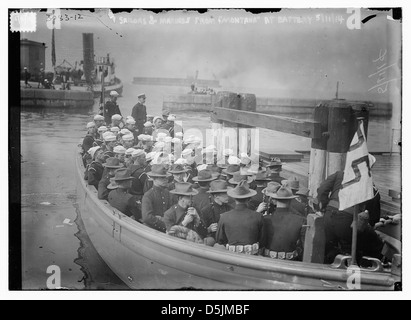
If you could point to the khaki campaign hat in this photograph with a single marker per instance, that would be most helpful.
(112, 163)
(292, 184)
(122, 175)
(241, 191)
(177, 169)
(218, 186)
(272, 188)
(238, 177)
(158, 171)
(205, 176)
(184, 189)
(284, 193)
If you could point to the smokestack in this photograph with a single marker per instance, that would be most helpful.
(88, 55)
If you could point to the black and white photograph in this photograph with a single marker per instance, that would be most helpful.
(200, 149)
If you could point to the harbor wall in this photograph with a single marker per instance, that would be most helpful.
(278, 106)
(56, 98)
(176, 82)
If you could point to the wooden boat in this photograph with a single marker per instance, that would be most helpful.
(147, 259)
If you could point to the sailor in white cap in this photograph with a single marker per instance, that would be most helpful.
(98, 120)
(173, 126)
(139, 113)
(124, 132)
(89, 139)
(110, 141)
(128, 141)
(95, 169)
(117, 121)
(128, 160)
(101, 130)
(115, 130)
(120, 153)
(138, 170)
(111, 107)
(131, 126)
(145, 142)
(148, 128)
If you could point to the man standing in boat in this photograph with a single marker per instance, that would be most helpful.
(219, 204)
(139, 113)
(111, 107)
(241, 230)
(284, 232)
(157, 200)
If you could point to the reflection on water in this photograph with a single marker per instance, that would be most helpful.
(49, 139)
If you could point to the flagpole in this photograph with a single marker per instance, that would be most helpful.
(354, 237)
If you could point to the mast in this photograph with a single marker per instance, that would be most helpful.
(53, 48)
(88, 56)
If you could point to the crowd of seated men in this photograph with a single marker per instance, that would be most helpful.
(236, 203)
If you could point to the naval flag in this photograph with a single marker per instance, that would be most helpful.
(357, 185)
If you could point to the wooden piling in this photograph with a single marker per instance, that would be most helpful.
(318, 155)
(314, 245)
(342, 125)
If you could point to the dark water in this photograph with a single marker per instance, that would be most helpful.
(49, 141)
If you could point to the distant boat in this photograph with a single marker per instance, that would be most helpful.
(181, 82)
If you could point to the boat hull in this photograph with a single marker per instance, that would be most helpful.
(107, 89)
(147, 259)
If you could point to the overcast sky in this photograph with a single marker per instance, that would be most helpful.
(291, 56)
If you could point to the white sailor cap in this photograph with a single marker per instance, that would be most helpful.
(159, 145)
(130, 151)
(98, 117)
(116, 117)
(125, 131)
(175, 140)
(161, 136)
(141, 95)
(138, 153)
(144, 137)
(171, 117)
(209, 149)
(114, 93)
(148, 124)
(245, 159)
(115, 129)
(109, 136)
(233, 160)
(156, 118)
(102, 129)
(187, 152)
(179, 135)
(92, 151)
(128, 137)
(119, 149)
(181, 161)
(228, 152)
(150, 156)
(202, 167)
(91, 125)
(130, 121)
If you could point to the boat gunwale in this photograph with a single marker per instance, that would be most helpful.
(291, 268)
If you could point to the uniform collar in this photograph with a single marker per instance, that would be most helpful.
(241, 206)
